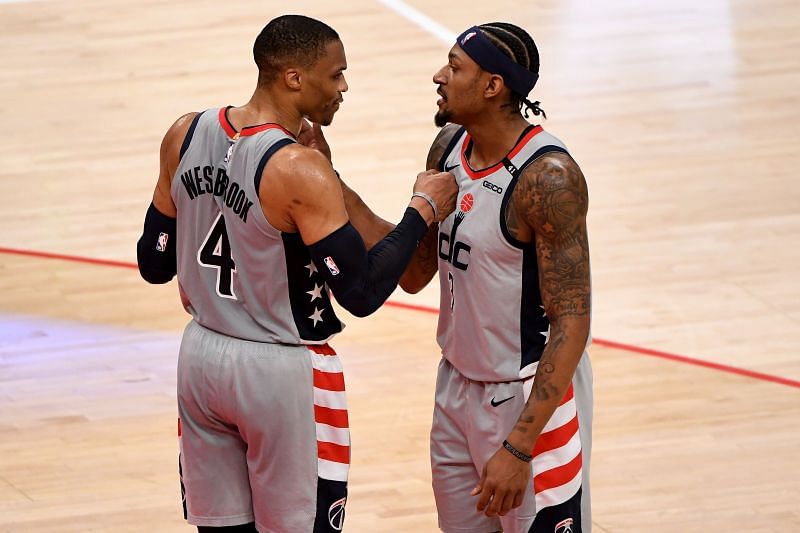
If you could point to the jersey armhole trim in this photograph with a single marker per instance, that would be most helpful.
(456, 137)
(265, 158)
(189, 134)
(510, 191)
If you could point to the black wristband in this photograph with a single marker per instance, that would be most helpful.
(516, 453)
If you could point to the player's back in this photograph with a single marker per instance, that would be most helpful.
(239, 286)
(274, 279)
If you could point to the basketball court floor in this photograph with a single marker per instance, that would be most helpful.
(684, 117)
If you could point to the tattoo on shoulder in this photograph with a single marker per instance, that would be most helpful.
(550, 203)
(439, 145)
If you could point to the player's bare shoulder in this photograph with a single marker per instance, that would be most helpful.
(440, 144)
(302, 169)
(298, 184)
(550, 199)
(177, 132)
(173, 140)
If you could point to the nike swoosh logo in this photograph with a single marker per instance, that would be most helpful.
(495, 404)
(448, 169)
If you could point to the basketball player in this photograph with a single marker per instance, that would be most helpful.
(255, 226)
(510, 439)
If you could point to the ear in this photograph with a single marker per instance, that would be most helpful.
(494, 86)
(291, 77)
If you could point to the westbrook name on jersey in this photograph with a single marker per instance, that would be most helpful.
(237, 274)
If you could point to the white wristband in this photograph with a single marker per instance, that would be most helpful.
(430, 201)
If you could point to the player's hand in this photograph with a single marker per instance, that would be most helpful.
(441, 186)
(311, 136)
(503, 483)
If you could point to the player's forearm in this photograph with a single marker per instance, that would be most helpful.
(370, 226)
(423, 265)
(553, 376)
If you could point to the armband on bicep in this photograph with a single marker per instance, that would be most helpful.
(155, 252)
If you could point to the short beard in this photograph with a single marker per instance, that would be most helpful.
(441, 118)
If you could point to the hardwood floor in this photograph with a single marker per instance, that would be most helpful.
(683, 116)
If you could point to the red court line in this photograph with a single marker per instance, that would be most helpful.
(73, 258)
(699, 362)
(426, 309)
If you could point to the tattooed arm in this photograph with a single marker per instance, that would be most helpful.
(550, 204)
(425, 262)
(551, 201)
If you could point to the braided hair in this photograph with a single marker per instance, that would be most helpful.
(518, 45)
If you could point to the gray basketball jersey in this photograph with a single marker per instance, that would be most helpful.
(492, 324)
(237, 274)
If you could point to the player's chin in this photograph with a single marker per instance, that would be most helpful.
(326, 120)
(441, 118)
(327, 116)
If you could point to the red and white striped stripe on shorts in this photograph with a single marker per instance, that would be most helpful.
(330, 414)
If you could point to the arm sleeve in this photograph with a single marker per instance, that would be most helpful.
(155, 252)
(361, 280)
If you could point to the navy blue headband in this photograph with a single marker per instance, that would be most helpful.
(491, 59)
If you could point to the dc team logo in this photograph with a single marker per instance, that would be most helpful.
(565, 526)
(451, 250)
(161, 245)
(336, 514)
(331, 264)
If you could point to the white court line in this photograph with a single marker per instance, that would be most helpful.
(421, 20)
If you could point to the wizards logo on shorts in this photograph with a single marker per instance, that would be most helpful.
(331, 264)
(565, 526)
(336, 514)
(161, 245)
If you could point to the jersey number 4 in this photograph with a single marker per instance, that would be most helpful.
(216, 253)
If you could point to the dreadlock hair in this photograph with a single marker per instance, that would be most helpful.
(290, 40)
(518, 45)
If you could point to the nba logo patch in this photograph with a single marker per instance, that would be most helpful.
(161, 245)
(229, 154)
(331, 264)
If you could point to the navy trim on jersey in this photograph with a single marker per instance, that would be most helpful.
(269, 153)
(457, 137)
(532, 320)
(505, 161)
(513, 185)
(189, 134)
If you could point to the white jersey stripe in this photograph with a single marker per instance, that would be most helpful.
(326, 363)
(563, 415)
(326, 433)
(332, 470)
(330, 399)
(557, 457)
(560, 494)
